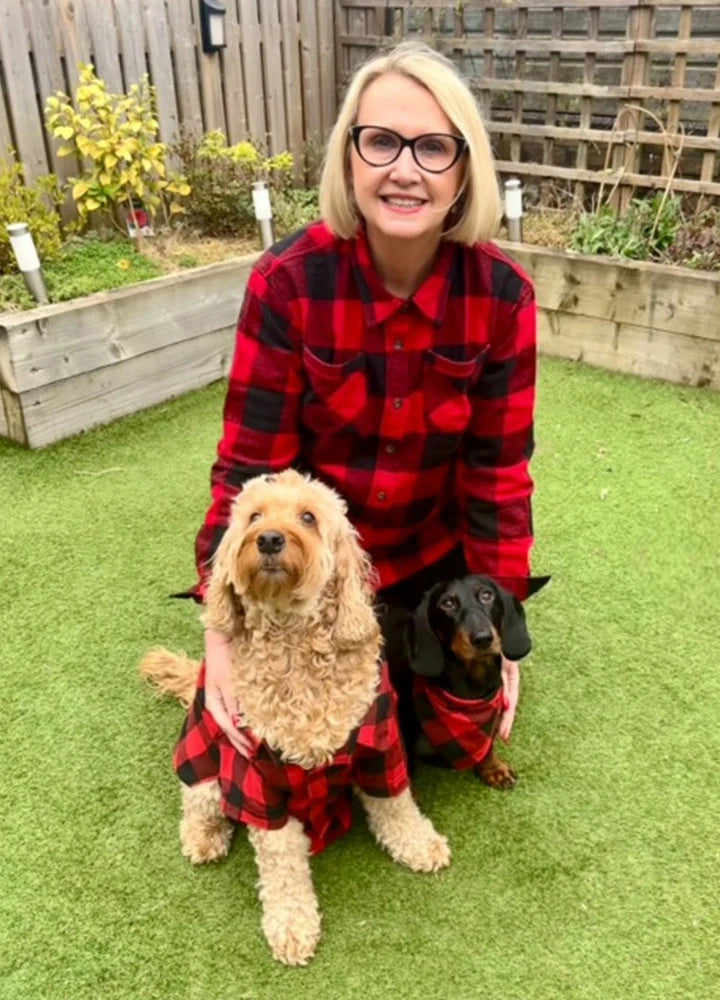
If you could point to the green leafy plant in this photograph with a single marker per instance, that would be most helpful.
(36, 204)
(222, 176)
(644, 232)
(115, 137)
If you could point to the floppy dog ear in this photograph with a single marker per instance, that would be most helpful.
(223, 608)
(425, 654)
(355, 621)
(515, 637)
(535, 583)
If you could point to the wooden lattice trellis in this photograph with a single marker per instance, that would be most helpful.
(596, 97)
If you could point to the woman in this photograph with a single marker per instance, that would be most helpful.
(390, 351)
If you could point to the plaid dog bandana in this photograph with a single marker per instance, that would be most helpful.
(461, 730)
(264, 791)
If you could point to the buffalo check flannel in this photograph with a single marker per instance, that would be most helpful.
(462, 730)
(418, 412)
(261, 790)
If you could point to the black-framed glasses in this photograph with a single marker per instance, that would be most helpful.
(435, 152)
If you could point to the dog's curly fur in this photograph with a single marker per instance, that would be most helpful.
(305, 649)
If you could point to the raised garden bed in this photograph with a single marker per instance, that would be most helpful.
(68, 367)
(654, 320)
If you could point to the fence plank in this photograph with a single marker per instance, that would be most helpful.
(292, 79)
(187, 82)
(310, 69)
(232, 78)
(326, 63)
(75, 38)
(155, 17)
(131, 40)
(254, 88)
(277, 138)
(26, 119)
(103, 42)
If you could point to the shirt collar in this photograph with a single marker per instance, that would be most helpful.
(379, 304)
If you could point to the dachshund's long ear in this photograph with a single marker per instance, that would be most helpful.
(425, 654)
(515, 637)
(535, 583)
(355, 621)
(223, 608)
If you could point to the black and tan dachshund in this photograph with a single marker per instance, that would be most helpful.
(455, 643)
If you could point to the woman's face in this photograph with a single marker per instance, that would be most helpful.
(401, 200)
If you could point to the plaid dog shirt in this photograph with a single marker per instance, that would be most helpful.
(264, 791)
(460, 729)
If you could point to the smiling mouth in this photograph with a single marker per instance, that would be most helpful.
(402, 203)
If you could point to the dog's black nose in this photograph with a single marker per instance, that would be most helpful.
(270, 542)
(481, 638)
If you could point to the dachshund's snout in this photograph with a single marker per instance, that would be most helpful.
(269, 543)
(481, 638)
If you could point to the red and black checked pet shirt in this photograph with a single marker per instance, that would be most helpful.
(462, 730)
(263, 791)
(419, 412)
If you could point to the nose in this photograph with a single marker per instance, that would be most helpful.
(405, 165)
(481, 638)
(270, 542)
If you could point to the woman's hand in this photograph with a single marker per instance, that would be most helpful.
(220, 699)
(511, 686)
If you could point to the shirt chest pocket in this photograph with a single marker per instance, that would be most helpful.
(337, 394)
(447, 384)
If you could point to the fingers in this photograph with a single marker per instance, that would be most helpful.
(217, 708)
(511, 688)
(506, 724)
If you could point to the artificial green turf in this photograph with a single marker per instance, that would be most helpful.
(595, 878)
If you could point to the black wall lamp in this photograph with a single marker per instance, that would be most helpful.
(212, 25)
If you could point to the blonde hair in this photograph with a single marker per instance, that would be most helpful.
(477, 211)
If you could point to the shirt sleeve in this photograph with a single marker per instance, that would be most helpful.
(260, 417)
(494, 482)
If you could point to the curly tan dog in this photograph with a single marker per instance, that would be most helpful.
(291, 588)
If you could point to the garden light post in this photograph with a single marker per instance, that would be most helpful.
(263, 212)
(28, 261)
(513, 209)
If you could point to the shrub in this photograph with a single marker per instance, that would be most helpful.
(221, 178)
(37, 205)
(115, 137)
(647, 229)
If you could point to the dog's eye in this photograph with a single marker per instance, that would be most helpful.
(448, 604)
(254, 517)
(308, 517)
(485, 596)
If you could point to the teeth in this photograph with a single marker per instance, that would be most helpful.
(404, 202)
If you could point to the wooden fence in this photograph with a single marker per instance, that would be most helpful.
(275, 80)
(584, 96)
(588, 96)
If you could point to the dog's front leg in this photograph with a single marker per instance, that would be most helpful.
(407, 835)
(291, 917)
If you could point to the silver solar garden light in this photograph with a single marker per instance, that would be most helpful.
(28, 261)
(513, 209)
(263, 212)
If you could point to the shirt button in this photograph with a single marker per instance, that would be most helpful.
(398, 345)
(397, 403)
(390, 449)
(382, 495)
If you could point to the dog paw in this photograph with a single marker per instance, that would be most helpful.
(499, 775)
(203, 842)
(293, 940)
(433, 855)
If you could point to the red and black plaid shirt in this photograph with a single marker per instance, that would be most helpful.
(261, 790)
(462, 730)
(419, 412)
